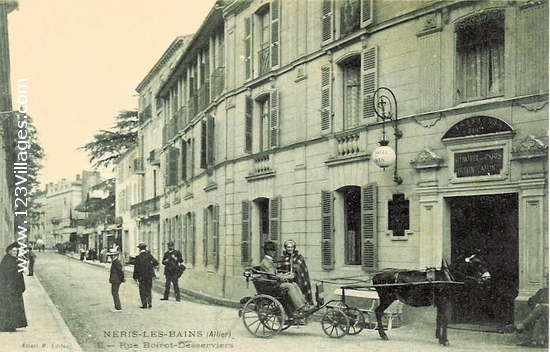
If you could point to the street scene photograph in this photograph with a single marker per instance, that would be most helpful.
(274, 175)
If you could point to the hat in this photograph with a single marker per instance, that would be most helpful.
(112, 251)
(13, 245)
(169, 244)
(142, 245)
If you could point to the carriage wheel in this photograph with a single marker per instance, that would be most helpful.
(263, 316)
(335, 323)
(356, 320)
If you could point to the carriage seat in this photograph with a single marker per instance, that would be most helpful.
(264, 282)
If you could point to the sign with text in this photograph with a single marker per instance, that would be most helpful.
(478, 163)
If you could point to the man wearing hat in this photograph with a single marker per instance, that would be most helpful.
(171, 260)
(115, 278)
(144, 272)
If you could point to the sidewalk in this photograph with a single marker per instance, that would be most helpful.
(47, 330)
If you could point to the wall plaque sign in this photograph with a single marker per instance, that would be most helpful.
(478, 163)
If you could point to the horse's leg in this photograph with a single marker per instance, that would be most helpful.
(444, 316)
(438, 321)
(385, 300)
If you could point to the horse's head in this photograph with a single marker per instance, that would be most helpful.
(472, 268)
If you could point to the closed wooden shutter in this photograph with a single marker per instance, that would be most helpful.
(326, 98)
(275, 12)
(369, 227)
(210, 139)
(173, 167)
(192, 237)
(248, 48)
(275, 220)
(184, 160)
(205, 236)
(369, 80)
(327, 20)
(248, 125)
(216, 236)
(274, 119)
(327, 231)
(204, 143)
(366, 12)
(245, 234)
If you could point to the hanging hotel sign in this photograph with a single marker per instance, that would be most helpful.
(478, 163)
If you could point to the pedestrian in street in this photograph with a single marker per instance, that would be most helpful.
(32, 260)
(535, 325)
(144, 272)
(172, 260)
(295, 263)
(116, 278)
(12, 286)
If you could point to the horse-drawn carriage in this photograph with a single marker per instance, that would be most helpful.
(269, 311)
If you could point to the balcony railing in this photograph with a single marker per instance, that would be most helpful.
(262, 164)
(148, 207)
(218, 82)
(348, 145)
(263, 59)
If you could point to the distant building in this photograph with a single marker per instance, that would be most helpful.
(60, 218)
(127, 190)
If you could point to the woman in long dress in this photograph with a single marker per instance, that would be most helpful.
(12, 286)
(294, 262)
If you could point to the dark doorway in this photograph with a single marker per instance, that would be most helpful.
(487, 225)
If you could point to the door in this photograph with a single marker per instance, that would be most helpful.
(487, 225)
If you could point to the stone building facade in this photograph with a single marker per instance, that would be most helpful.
(269, 126)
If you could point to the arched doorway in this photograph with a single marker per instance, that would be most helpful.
(487, 225)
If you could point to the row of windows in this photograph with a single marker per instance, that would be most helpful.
(349, 221)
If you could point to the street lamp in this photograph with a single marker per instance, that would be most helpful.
(385, 106)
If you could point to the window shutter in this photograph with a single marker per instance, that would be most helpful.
(366, 12)
(248, 47)
(192, 238)
(275, 12)
(245, 236)
(275, 220)
(248, 125)
(184, 160)
(369, 227)
(216, 234)
(327, 8)
(327, 231)
(369, 80)
(274, 119)
(173, 168)
(185, 238)
(192, 157)
(210, 140)
(205, 236)
(326, 98)
(203, 145)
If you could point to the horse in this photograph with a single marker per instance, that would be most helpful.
(420, 288)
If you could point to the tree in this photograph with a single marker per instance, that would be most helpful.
(27, 183)
(108, 145)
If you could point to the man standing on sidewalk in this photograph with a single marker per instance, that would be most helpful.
(116, 278)
(172, 260)
(144, 272)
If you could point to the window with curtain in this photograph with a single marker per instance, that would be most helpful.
(351, 70)
(480, 56)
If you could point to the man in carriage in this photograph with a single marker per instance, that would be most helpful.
(285, 283)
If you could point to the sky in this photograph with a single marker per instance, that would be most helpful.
(83, 60)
